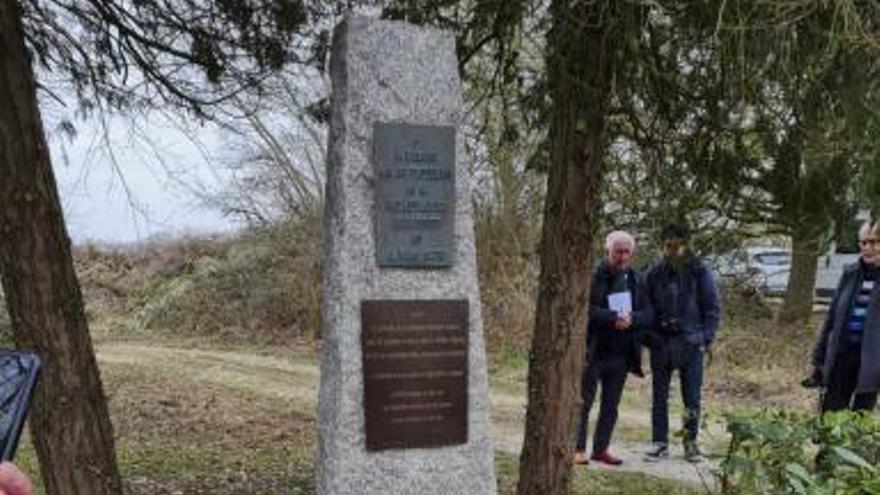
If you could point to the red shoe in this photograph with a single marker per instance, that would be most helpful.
(605, 457)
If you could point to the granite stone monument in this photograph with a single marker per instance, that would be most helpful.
(403, 399)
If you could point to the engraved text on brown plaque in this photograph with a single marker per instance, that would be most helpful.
(415, 355)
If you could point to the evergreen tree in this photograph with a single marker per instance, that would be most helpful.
(114, 55)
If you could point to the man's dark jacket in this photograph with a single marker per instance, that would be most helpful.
(696, 311)
(601, 321)
(836, 323)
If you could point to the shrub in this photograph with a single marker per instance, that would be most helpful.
(263, 286)
(783, 453)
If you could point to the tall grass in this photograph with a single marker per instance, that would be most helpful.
(261, 286)
(264, 286)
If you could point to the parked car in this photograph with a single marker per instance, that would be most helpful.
(762, 268)
(842, 251)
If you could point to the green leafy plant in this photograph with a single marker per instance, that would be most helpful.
(784, 453)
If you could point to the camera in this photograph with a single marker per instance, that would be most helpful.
(670, 325)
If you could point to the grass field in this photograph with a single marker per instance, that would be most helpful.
(241, 421)
(196, 417)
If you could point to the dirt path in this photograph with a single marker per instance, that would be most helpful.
(294, 382)
(508, 417)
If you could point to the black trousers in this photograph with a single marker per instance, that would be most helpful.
(688, 360)
(611, 372)
(840, 390)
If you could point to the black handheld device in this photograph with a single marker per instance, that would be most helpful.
(19, 371)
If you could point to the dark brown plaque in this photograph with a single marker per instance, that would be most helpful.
(415, 355)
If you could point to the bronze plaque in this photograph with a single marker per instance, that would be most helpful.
(415, 356)
(415, 195)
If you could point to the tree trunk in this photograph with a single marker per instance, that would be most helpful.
(798, 304)
(580, 70)
(69, 419)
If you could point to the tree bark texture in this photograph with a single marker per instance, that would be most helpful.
(798, 303)
(580, 67)
(69, 419)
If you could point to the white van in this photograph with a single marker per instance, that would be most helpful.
(844, 250)
(763, 268)
(829, 269)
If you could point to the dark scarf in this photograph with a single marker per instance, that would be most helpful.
(682, 267)
(685, 265)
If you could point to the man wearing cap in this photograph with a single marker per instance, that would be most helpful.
(684, 299)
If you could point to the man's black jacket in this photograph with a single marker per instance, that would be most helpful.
(603, 339)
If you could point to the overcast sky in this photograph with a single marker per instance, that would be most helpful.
(149, 186)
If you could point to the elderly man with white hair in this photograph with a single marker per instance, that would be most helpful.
(846, 358)
(618, 310)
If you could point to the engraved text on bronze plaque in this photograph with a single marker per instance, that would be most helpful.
(415, 195)
(415, 356)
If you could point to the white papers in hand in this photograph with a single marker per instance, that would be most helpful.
(620, 302)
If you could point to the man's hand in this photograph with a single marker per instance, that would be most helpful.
(706, 350)
(814, 380)
(13, 481)
(623, 321)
